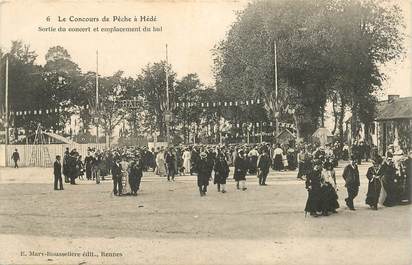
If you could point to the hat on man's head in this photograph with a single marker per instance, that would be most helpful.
(378, 160)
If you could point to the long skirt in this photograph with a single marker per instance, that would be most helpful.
(161, 169)
(278, 162)
(392, 194)
(374, 190)
(329, 200)
(313, 203)
(187, 165)
(253, 164)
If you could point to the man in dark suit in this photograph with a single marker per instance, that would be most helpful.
(263, 165)
(15, 157)
(58, 174)
(117, 177)
(351, 177)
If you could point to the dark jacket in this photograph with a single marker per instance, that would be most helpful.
(116, 170)
(221, 169)
(241, 167)
(136, 169)
(264, 163)
(351, 176)
(203, 172)
(57, 169)
(15, 156)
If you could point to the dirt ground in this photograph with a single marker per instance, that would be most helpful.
(169, 223)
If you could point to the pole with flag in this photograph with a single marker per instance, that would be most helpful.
(276, 90)
(167, 116)
(97, 96)
(7, 101)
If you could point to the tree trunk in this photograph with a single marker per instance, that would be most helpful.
(160, 125)
(185, 138)
(354, 123)
(296, 120)
(340, 125)
(335, 115)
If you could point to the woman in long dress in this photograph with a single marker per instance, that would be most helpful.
(328, 187)
(390, 183)
(187, 155)
(239, 174)
(160, 163)
(313, 185)
(221, 169)
(278, 158)
(374, 175)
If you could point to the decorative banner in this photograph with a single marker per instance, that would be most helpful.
(218, 104)
(256, 125)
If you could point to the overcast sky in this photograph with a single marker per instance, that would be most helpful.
(190, 28)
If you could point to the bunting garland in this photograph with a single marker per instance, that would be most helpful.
(249, 125)
(42, 111)
(219, 103)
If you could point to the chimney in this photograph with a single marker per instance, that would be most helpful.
(392, 98)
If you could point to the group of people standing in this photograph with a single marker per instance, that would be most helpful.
(388, 184)
(127, 170)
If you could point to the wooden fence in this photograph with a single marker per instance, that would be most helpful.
(36, 155)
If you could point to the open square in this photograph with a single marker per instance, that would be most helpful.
(169, 223)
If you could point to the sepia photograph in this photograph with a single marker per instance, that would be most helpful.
(200, 132)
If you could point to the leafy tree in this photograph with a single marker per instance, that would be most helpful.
(153, 81)
(366, 35)
(26, 88)
(326, 50)
(187, 91)
(62, 81)
(245, 60)
(111, 91)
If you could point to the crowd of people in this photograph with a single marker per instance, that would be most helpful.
(389, 178)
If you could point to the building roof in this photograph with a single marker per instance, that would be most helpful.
(286, 132)
(399, 108)
(59, 138)
(321, 132)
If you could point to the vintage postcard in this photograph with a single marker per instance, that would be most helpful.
(205, 132)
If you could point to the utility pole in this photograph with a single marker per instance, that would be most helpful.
(167, 115)
(276, 91)
(97, 97)
(7, 101)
